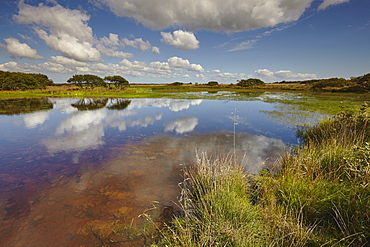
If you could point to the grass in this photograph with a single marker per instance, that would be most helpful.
(217, 208)
(319, 197)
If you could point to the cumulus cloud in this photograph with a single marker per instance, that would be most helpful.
(156, 50)
(180, 63)
(140, 43)
(327, 3)
(226, 76)
(181, 40)
(21, 49)
(63, 30)
(283, 75)
(219, 16)
(109, 46)
(196, 67)
(66, 61)
(172, 68)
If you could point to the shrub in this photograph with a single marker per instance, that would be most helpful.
(212, 83)
(250, 82)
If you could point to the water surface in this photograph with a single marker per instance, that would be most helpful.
(71, 169)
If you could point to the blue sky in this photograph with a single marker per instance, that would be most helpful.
(163, 41)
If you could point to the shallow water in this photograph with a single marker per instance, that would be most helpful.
(71, 170)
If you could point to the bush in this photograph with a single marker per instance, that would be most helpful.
(177, 83)
(250, 82)
(332, 82)
(23, 81)
(212, 83)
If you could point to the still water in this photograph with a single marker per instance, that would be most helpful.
(70, 169)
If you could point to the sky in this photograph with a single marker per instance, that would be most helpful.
(163, 41)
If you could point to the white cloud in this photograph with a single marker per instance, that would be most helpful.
(111, 41)
(181, 40)
(182, 125)
(70, 46)
(226, 76)
(63, 30)
(219, 16)
(141, 44)
(156, 50)
(245, 45)
(66, 61)
(180, 63)
(177, 62)
(327, 3)
(266, 74)
(21, 49)
(112, 52)
(196, 68)
(21, 67)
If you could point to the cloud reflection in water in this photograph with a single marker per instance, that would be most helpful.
(82, 130)
(182, 125)
(33, 120)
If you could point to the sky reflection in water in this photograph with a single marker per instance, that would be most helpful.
(93, 162)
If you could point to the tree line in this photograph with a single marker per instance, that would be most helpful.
(23, 81)
(12, 81)
(359, 83)
(92, 81)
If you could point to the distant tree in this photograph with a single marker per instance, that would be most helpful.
(87, 80)
(249, 82)
(117, 80)
(78, 80)
(212, 83)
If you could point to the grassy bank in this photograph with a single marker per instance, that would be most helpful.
(319, 197)
(134, 91)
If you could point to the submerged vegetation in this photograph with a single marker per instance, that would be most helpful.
(320, 196)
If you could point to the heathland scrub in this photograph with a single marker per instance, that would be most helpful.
(320, 196)
(295, 102)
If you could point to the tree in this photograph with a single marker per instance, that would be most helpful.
(87, 80)
(249, 82)
(117, 80)
(77, 80)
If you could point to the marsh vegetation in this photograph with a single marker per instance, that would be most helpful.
(319, 196)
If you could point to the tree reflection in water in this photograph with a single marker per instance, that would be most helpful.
(24, 105)
(89, 104)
